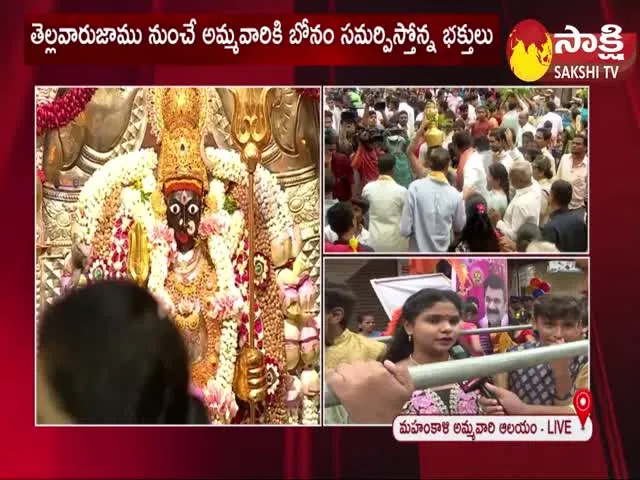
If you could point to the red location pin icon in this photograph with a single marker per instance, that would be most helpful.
(583, 403)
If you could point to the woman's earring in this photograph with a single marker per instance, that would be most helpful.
(410, 338)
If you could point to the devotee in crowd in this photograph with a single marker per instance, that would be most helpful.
(341, 344)
(498, 194)
(478, 234)
(526, 203)
(107, 354)
(566, 228)
(498, 143)
(526, 130)
(543, 175)
(573, 168)
(339, 168)
(386, 201)
(508, 130)
(433, 208)
(367, 325)
(557, 319)
(341, 234)
(329, 201)
(471, 177)
(543, 141)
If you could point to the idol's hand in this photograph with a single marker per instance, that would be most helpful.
(250, 382)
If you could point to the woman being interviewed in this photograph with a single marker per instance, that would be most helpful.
(430, 325)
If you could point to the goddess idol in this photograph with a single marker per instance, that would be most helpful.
(190, 225)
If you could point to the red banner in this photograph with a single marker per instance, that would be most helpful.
(301, 40)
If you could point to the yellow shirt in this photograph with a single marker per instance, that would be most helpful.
(351, 347)
(581, 381)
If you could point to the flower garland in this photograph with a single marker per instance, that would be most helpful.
(272, 200)
(63, 110)
(124, 170)
(311, 410)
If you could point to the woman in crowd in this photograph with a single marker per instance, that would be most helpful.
(498, 196)
(478, 235)
(430, 326)
(108, 355)
(543, 174)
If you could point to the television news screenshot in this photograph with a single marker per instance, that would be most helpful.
(320, 239)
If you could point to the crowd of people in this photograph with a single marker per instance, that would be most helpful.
(459, 169)
(431, 324)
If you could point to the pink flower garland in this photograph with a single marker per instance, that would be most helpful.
(63, 110)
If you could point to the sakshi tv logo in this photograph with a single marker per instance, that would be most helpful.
(534, 54)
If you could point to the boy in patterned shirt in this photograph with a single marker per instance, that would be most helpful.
(557, 319)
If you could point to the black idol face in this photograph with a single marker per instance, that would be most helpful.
(184, 211)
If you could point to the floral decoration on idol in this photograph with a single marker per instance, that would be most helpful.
(220, 402)
(133, 173)
(63, 110)
(273, 377)
(261, 270)
(227, 166)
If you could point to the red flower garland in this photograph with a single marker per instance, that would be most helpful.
(311, 93)
(63, 110)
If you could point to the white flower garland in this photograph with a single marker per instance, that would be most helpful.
(311, 410)
(122, 171)
(271, 198)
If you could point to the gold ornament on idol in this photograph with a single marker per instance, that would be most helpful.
(138, 263)
(180, 158)
(251, 133)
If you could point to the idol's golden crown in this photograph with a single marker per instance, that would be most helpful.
(180, 164)
(183, 107)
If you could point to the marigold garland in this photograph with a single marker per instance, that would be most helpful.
(63, 110)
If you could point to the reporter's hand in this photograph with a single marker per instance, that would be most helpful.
(370, 391)
(506, 402)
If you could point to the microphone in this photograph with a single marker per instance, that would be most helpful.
(459, 352)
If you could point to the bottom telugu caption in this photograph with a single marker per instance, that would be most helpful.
(413, 428)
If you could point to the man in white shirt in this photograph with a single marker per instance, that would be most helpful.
(454, 100)
(510, 119)
(574, 168)
(525, 205)
(433, 209)
(386, 201)
(403, 106)
(554, 118)
(543, 139)
(472, 101)
(498, 143)
(525, 126)
(474, 176)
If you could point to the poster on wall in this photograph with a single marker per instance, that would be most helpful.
(471, 274)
